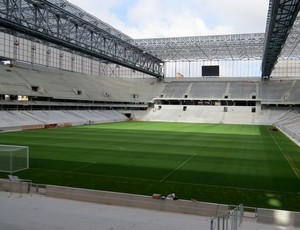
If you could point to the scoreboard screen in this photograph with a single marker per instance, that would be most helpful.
(210, 71)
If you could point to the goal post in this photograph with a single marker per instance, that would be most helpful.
(13, 158)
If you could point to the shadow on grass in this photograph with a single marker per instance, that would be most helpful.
(186, 184)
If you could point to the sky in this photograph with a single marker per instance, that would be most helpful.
(179, 18)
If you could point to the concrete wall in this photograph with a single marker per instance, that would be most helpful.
(14, 186)
(278, 217)
(136, 201)
(264, 216)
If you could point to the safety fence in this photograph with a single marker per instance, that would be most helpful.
(232, 219)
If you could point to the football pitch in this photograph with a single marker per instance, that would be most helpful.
(229, 164)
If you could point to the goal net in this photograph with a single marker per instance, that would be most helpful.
(13, 158)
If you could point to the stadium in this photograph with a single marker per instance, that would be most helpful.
(89, 114)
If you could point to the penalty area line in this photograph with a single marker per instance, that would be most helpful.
(84, 166)
(179, 166)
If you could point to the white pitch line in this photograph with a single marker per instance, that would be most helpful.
(86, 165)
(286, 157)
(178, 167)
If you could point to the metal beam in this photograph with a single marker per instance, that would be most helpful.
(281, 17)
(62, 23)
(217, 47)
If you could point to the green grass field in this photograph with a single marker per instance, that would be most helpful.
(229, 164)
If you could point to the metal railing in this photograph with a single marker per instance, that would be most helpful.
(232, 219)
(219, 222)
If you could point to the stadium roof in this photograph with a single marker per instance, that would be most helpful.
(281, 40)
(281, 17)
(217, 47)
(62, 23)
(291, 49)
(65, 24)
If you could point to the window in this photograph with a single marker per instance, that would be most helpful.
(35, 88)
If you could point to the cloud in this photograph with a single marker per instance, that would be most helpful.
(158, 19)
(176, 18)
(244, 15)
(102, 9)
